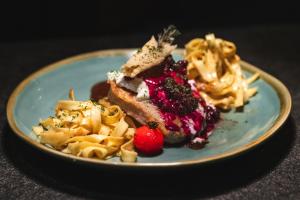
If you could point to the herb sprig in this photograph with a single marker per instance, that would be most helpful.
(168, 35)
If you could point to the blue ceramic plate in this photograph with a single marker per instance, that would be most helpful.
(36, 96)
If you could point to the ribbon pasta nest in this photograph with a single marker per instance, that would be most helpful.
(88, 129)
(214, 65)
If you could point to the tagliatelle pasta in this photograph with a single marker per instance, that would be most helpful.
(88, 129)
(215, 67)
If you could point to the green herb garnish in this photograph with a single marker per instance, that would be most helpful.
(168, 35)
(152, 124)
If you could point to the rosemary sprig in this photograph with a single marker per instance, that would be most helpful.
(168, 35)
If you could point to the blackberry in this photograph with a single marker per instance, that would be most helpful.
(212, 114)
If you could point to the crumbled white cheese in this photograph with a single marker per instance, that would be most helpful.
(198, 140)
(192, 84)
(142, 91)
(115, 76)
(191, 126)
(201, 110)
(136, 85)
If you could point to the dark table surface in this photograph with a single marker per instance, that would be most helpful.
(270, 171)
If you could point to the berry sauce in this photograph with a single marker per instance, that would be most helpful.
(179, 102)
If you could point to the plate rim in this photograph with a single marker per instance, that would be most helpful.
(281, 90)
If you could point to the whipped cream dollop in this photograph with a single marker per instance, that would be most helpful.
(136, 85)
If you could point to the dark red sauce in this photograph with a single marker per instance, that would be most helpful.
(99, 90)
(180, 106)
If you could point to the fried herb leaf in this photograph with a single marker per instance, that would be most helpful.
(168, 35)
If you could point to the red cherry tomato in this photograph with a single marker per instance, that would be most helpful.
(148, 140)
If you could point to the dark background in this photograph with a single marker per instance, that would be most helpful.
(22, 20)
(33, 35)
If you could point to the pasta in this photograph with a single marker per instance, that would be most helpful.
(214, 65)
(88, 129)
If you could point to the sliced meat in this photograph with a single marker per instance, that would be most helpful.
(142, 111)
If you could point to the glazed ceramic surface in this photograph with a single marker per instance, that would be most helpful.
(35, 98)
